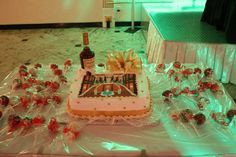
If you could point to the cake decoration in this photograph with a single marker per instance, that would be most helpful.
(124, 61)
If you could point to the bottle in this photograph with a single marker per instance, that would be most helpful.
(87, 57)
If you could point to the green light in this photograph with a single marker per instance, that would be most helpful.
(111, 146)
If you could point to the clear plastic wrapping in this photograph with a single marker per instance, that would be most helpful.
(157, 135)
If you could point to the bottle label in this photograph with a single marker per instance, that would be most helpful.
(89, 63)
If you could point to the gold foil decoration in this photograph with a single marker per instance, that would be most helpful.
(126, 61)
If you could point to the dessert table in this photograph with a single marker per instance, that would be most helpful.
(156, 135)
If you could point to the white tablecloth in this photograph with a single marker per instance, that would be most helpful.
(220, 57)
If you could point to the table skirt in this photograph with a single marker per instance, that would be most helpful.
(220, 57)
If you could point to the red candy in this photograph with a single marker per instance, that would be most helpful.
(25, 100)
(67, 63)
(54, 86)
(22, 67)
(53, 66)
(56, 99)
(197, 71)
(177, 65)
(37, 66)
(63, 79)
(215, 87)
(58, 72)
(26, 123)
(14, 122)
(53, 125)
(23, 73)
(187, 72)
(4, 100)
(25, 85)
(38, 121)
(186, 90)
(208, 72)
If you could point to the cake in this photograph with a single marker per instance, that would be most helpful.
(109, 94)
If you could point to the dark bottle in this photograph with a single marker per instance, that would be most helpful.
(87, 57)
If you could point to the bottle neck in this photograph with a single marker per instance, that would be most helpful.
(85, 39)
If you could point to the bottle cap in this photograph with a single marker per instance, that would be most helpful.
(85, 38)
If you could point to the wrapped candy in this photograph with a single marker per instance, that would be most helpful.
(67, 64)
(53, 125)
(16, 84)
(71, 131)
(26, 123)
(167, 95)
(53, 66)
(22, 67)
(14, 122)
(63, 79)
(57, 99)
(38, 121)
(37, 66)
(187, 72)
(33, 72)
(25, 100)
(54, 86)
(177, 65)
(160, 68)
(23, 73)
(4, 100)
(57, 72)
(199, 118)
(208, 73)
(25, 85)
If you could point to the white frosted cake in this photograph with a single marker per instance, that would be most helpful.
(109, 95)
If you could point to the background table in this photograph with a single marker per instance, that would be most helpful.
(222, 14)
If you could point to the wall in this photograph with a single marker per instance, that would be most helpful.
(50, 11)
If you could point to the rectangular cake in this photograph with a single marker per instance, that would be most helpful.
(109, 95)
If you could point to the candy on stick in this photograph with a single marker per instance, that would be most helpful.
(57, 99)
(14, 122)
(177, 65)
(53, 125)
(37, 66)
(33, 72)
(25, 100)
(167, 95)
(16, 84)
(160, 68)
(53, 66)
(38, 121)
(208, 73)
(67, 65)
(57, 72)
(71, 131)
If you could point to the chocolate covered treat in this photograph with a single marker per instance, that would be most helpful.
(199, 118)
(4, 100)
